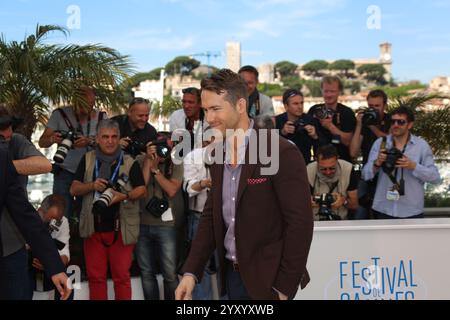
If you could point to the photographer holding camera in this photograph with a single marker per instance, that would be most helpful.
(135, 131)
(161, 214)
(73, 129)
(296, 126)
(404, 163)
(371, 124)
(337, 122)
(333, 185)
(27, 161)
(51, 212)
(110, 183)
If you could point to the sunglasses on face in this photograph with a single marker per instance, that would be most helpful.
(400, 122)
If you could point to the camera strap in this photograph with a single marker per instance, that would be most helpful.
(399, 185)
(66, 119)
(115, 172)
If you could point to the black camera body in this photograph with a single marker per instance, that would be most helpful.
(136, 147)
(325, 201)
(393, 155)
(157, 206)
(370, 117)
(323, 112)
(300, 125)
(66, 144)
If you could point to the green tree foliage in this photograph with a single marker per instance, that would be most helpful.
(395, 92)
(373, 72)
(342, 65)
(169, 105)
(315, 67)
(181, 65)
(286, 69)
(34, 74)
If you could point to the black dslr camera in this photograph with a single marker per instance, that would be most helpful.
(323, 112)
(393, 155)
(300, 125)
(157, 206)
(69, 138)
(325, 201)
(137, 147)
(370, 117)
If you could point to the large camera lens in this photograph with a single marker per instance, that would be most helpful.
(104, 201)
(370, 117)
(62, 151)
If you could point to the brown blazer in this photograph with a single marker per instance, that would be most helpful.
(273, 228)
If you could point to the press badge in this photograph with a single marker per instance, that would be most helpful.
(393, 195)
(167, 216)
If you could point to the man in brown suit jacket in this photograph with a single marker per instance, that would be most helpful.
(260, 225)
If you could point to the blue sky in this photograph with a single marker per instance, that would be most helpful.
(155, 31)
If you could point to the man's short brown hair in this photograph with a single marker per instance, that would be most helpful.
(332, 79)
(228, 82)
(53, 200)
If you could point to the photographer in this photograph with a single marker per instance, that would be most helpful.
(258, 103)
(161, 213)
(27, 161)
(334, 177)
(80, 119)
(110, 183)
(51, 212)
(297, 126)
(135, 131)
(190, 118)
(404, 163)
(337, 122)
(371, 124)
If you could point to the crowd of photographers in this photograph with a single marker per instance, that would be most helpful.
(116, 183)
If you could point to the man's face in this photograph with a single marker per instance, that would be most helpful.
(54, 212)
(108, 140)
(328, 166)
(219, 113)
(191, 106)
(251, 81)
(89, 96)
(330, 92)
(7, 133)
(295, 106)
(138, 115)
(400, 125)
(377, 103)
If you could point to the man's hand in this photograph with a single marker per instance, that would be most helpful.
(282, 297)
(311, 131)
(152, 157)
(359, 117)
(206, 183)
(382, 156)
(185, 288)
(327, 123)
(56, 138)
(100, 184)
(340, 200)
(82, 142)
(61, 282)
(288, 128)
(406, 163)
(124, 142)
(37, 264)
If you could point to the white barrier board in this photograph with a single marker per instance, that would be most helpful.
(367, 260)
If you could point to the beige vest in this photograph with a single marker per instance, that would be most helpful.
(129, 210)
(320, 188)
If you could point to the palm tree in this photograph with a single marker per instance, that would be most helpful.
(35, 75)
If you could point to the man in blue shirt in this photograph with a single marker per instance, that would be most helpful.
(405, 163)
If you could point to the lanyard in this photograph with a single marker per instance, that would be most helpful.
(116, 170)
